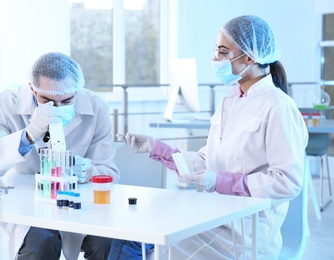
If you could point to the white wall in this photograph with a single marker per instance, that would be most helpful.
(30, 28)
(323, 6)
(292, 21)
(27, 30)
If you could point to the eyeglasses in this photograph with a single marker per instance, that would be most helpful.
(222, 54)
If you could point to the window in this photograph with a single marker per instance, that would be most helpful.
(91, 43)
(327, 53)
(327, 64)
(328, 49)
(142, 44)
(96, 24)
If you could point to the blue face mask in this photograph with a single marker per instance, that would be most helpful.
(223, 70)
(66, 113)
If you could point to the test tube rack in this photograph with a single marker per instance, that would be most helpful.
(56, 173)
(46, 187)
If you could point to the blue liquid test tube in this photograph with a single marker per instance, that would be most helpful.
(43, 171)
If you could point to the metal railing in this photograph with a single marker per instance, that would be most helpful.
(125, 100)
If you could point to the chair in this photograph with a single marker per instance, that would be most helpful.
(318, 146)
(138, 169)
(295, 227)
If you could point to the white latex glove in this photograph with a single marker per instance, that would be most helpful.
(82, 168)
(138, 143)
(205, 181)
(40, 120)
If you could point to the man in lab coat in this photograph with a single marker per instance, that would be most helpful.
(55, 89)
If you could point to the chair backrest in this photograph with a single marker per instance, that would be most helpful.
(295, 226)
(318, 144)
(138, 169)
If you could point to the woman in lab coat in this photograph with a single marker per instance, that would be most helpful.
(255, 145)
(24, 119)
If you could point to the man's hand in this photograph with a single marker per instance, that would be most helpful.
(138, 143)
(39, 122)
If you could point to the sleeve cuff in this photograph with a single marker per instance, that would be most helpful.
(162, 152)
(232, 184)
(25, 145)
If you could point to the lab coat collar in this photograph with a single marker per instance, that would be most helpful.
(83, 105)
(264, 83)
(25, 104)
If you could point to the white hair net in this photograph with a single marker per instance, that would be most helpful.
(253, 36)
(64, 73)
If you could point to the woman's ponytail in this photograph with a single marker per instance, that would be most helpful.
(279, 77)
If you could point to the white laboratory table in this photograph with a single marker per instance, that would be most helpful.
(325, 127)
(160, 217)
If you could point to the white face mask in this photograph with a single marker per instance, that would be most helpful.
(223, 70)
(65, 112)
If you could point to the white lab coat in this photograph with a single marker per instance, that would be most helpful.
(89, 135)
(263, 136)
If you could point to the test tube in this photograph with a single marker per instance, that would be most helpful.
(62, 161)
(52, 170)
(59, 168)
(42, 156)
(53, 184)
(69, 167)
(69, 163)
(64, 169)
(41, 161)
(47, 172)
(44, 171)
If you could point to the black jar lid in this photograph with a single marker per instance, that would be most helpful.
(132, 201)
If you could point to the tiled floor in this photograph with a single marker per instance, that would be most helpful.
(320, 242)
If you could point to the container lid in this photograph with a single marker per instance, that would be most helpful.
(101, 179)
(316, 114)
(305, 113)
(132, 201)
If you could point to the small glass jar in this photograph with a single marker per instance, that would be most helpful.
(306, 117)
(77, 201)
(101, 188)
(60, 199)
(316, 118)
